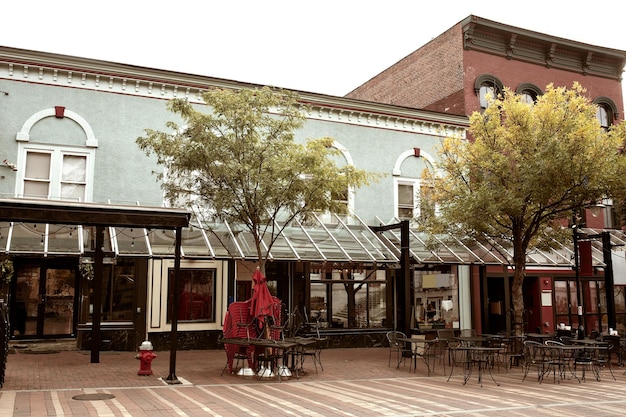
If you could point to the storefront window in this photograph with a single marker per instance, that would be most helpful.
(196, 302)
(347, 298)
(594, 304)
(436, 298)
(562, 303)
(118, 292)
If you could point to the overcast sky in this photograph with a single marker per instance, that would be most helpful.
(322, 46)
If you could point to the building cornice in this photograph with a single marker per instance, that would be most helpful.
(550, 51)
(96, 75)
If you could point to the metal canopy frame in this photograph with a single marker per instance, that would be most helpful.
(103, 215)
(450, 250)
(343, 239)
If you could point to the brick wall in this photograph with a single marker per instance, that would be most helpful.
(440, 77)
(428, 75)
(512, 73)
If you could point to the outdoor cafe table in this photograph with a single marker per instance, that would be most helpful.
(281, 346)
(419, 349)
(561, 358)
(589, 342)
(540, 337)
(297, 351)
(479, 356)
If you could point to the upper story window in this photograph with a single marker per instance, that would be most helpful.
(412, 198)
(55, 173)
(603, 117)
(56, 160)
(411, 189)
(487, 86)
(528, 92)
(406, 199)
(342, 199)
(606, 111)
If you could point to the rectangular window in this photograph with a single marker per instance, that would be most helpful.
(118, 293)
(74, 177)
(348, 298)
(37, 174)
(561, 299)
(426, 206)
(406, 200)
(414, 198)
(196, 301)
(341, 199)
(55, 173)
(436, 293)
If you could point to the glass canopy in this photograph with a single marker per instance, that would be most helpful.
(336, 241)
(331, 238)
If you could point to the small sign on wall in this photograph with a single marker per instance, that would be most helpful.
(546, 298)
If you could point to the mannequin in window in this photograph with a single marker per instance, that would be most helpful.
(430, 312)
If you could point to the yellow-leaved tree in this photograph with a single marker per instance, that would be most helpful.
(524, 170)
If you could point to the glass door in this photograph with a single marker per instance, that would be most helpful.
(58, 302)
(43, 301)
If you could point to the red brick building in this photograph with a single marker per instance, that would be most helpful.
(448, 73)
(452, 74)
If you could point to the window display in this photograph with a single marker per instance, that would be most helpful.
(436, 298)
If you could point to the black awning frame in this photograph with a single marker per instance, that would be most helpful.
(101, 216)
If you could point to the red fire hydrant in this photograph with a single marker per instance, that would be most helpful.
(145, 356)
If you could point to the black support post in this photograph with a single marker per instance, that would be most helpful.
(608, 279)
(403, 281)
(171, 378)
(96, 318)
(579, 288)
(405, 260)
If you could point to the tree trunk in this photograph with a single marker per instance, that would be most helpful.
(517, 296)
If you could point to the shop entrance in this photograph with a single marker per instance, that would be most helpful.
(43, 302)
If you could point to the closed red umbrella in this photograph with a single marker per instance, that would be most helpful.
(263, 304)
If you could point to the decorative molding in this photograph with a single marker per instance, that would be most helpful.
(552, 52)
(24, 134)
(54, 70)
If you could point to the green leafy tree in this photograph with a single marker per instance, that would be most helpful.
(236, 158)
(525, 170)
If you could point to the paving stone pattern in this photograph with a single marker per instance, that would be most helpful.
(355, 382)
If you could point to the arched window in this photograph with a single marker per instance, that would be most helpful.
(60, 168)
(606, 112)
(528, 92)
(411, 190)
(487, 86)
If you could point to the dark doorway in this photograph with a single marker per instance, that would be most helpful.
(496, 304)
(532, 305)
(44, 298)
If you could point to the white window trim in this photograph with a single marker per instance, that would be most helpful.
(158, 291)
(415, 182)
(57, 153)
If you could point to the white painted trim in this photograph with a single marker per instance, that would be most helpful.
(24, 134)
(158, 295)
(56, 152)
(397, 171)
